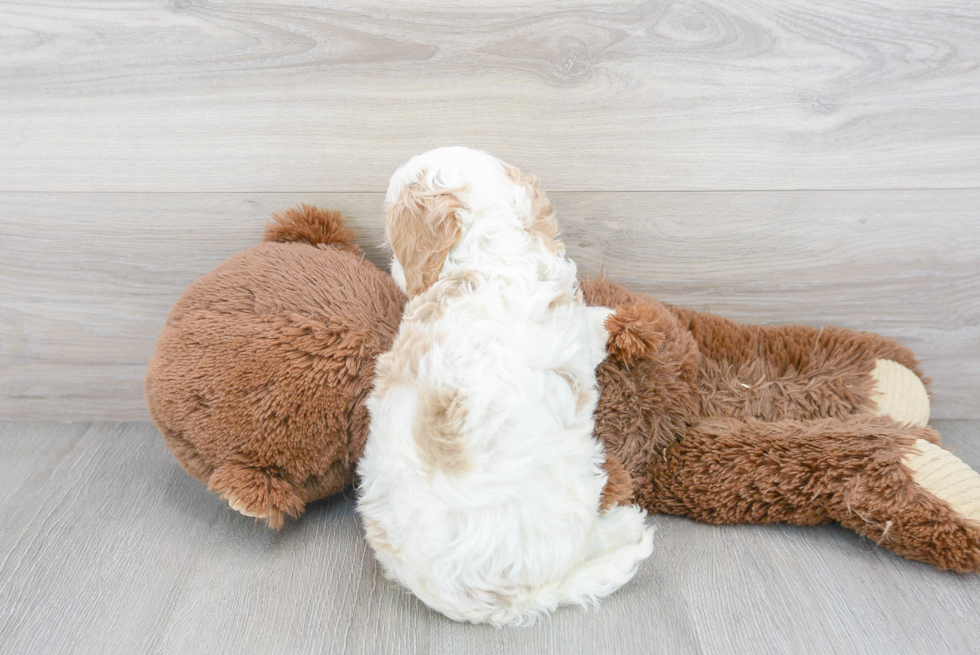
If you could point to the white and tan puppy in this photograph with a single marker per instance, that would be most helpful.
(480, 482)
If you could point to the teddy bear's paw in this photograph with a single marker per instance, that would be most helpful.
(244, 510)
(945, 476)
(260, 493)
(899, 393)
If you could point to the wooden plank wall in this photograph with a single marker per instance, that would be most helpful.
(771, 161)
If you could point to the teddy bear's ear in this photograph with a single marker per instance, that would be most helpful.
(631, 333)
(313, 226)
(422, 227)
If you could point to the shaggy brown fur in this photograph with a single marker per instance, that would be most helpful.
(772, 427)
(632, 334)
(791, 371)
(619, 485)
(811, 472)
(260, 376)
(312, 226)
(647, 402)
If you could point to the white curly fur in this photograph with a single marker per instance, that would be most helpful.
(480, 482)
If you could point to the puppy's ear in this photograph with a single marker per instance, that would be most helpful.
(541, 223)
(422, 228)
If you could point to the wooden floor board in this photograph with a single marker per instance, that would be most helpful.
(107, 546)
(90, 554)
(627, 96)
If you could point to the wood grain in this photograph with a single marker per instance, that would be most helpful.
(598, 95)
(772, 161)
(107, 546)
(88, 279)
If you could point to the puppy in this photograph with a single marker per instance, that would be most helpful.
(480, 482)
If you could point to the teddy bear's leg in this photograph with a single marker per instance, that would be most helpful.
(899, 393)
(926, 509)
(884, 480)
(946, 476)
(261, 493)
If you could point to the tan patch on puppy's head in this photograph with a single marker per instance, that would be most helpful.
(422, 228)
(542, 223)
(438, 430)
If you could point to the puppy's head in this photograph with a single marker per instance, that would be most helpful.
(440, 197)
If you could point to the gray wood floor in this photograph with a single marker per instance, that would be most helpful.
(107, 546)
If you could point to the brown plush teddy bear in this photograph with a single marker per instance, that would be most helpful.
(260, 376)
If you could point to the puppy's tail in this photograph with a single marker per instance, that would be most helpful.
(313, 226)
(622, 540)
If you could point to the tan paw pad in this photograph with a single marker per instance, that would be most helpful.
(240, 508)
(946, 476)
(899, 393)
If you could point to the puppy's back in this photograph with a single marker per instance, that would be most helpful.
(481, 478)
